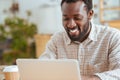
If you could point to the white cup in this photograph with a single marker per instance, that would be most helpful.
(11, 72)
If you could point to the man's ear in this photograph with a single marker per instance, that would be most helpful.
(90, 14)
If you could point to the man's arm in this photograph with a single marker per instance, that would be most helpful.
(90, 78)
(113, 73)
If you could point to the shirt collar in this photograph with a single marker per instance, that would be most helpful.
(92, 36)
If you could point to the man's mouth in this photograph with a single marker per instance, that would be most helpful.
(73, 31)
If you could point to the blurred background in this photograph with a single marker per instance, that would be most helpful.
(27, 25)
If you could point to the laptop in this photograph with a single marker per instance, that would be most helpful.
(59, 69)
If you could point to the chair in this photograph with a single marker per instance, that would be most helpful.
(40, 43)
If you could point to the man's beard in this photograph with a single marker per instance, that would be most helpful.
(77, 37)
(81, 34)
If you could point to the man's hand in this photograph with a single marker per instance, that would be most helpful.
(90, 78)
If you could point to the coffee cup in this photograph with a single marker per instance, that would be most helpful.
(11, 72)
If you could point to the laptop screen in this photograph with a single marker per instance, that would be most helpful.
(36, 69)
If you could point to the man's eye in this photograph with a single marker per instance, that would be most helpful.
(77, 18)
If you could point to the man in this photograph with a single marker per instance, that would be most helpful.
(97, 48)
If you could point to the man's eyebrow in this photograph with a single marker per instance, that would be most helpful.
(73, 15)
(76, 15)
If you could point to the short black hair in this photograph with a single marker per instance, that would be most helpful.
(88, 3)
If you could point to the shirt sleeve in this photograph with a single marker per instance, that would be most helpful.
(114, 59)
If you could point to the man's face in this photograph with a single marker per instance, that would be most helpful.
(75, 20)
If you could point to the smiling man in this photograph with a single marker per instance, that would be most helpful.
(96, 47)
(76, 20)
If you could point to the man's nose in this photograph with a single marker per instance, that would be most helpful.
(71, 23)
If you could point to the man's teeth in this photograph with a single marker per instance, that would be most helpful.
(74, 30)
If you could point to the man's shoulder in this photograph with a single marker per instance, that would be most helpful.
(106, 29)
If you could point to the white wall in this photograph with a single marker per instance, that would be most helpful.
(96, 11)
(4, 6)
(45, 14)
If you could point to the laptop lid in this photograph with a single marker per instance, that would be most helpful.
(36, 69)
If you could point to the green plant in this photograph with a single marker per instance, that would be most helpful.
(22, 34)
